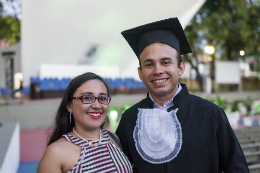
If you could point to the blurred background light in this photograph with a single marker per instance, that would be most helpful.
(210, 58)
(242, 53)
(209, 49)
(126, 107)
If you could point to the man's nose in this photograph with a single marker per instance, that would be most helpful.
(158, 69)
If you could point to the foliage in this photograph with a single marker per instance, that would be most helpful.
(221, 102)
(229, 26)
(1, 8)
(233, 106)
(248, 103)
(9, 27)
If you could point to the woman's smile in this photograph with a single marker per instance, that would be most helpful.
(94, 115)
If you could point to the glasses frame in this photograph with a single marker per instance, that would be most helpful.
(96, 98)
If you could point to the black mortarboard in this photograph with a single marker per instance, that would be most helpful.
(168, 31)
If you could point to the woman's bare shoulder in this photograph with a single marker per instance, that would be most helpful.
(57, 148)
(52, 158)
(58, 155)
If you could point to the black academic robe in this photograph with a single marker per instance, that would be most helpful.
(209, 143)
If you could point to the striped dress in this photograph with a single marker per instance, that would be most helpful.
(105, 158)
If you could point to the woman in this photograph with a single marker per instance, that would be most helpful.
(79, 143)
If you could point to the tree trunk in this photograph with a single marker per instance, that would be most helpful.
(198, 77)
(212, 67)
(229, 57)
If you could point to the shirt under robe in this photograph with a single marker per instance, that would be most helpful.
(209, 143)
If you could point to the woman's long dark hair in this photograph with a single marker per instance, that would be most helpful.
(62, 123)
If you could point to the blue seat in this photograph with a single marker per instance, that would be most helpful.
(26, 90)
(46, 84)
(2, 91)
(119, 83)
(57, 84)
(109, 82)
(241, 122)
(255, 123)
(63, 84)
(6, 91)
(35, 80)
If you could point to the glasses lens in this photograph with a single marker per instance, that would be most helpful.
(104, 99)
(88, 99)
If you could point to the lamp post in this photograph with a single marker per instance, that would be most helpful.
(209, 50)
(242, 53)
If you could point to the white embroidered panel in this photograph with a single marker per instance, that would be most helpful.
(157, 135)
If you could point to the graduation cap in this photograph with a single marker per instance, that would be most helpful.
(168, 31)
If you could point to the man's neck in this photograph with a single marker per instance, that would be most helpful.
(161, 100)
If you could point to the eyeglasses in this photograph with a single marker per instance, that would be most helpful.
(88, 99)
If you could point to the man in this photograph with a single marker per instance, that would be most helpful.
(171, 130)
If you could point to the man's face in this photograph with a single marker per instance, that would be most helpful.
(160, 72)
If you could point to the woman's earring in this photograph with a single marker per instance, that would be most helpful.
(70, 117)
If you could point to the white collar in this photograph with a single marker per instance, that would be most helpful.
(166, 104)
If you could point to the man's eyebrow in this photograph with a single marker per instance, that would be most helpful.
(166, 58)
(147, 60)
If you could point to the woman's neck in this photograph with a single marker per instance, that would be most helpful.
(93, 134)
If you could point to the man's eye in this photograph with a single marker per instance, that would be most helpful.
(166, 62)
(148, 65)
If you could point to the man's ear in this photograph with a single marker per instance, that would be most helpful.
(69, 107)
(140, 73)
(181, 68)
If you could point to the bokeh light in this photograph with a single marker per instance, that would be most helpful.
(209, 49)
(242, 53)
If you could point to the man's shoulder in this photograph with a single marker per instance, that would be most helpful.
(130, 115)
(201, 102)
(135, 107)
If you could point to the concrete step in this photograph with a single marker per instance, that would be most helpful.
(254, 168)
(250, 147)
(252, 157)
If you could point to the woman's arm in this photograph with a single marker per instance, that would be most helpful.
(51, 160)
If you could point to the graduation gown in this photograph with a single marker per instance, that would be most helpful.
(209, 143)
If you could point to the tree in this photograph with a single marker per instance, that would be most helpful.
(9, 26)
(228, 25)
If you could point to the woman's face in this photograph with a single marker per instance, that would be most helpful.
(89, 116)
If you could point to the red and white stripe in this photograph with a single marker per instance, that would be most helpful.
(106, 158)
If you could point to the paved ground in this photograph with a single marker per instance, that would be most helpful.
(37, 115)
(28, 167)
(33, 114)
(32, 144)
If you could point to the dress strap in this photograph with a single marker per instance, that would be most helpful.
(75, 140)
(66, 136)
(82, 143)
(115, 139)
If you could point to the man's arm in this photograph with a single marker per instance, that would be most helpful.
(231, 156)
